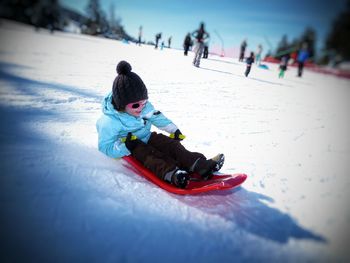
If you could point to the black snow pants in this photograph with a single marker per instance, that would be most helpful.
(300, 68)
(198, 54)
(246, 73)
(162, 154)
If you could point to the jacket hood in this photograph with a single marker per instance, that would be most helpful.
(107, 106)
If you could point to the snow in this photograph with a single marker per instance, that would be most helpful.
(63, 201)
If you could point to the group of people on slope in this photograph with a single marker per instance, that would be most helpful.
(201, 50)
(301, 57)
(201, 35)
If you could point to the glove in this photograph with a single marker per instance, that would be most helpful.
(177, 135)
(132, 142)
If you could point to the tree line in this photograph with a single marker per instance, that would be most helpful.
(336, 47)
(51, 15)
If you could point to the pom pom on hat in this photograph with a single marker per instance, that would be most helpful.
(123, 68)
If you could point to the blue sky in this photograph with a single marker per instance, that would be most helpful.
(258, 21)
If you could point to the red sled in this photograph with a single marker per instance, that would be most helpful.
(217, 182)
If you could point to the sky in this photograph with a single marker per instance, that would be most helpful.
(228, 22)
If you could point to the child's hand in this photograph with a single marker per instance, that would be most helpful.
(177, 135)
(131, 142)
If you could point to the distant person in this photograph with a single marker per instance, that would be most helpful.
(200, 36)
(293, 57)
(187, 43)
(162, 45)
(125, 129)
(169, 42)
(191, 45)
(140, 36)
(283, 65)
(303, 55)
(158, 37)
(206, 50)
(249, 61)
(258, 54)
(242, 50)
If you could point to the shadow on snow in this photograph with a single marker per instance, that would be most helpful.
(32, 87)
(241, 76)
(249, 212)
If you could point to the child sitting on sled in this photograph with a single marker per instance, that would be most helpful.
(125, 128)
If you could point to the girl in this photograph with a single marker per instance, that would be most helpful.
(125, 128)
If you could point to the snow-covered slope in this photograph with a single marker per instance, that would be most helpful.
(63, 201)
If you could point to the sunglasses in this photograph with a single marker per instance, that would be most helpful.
(137, 105)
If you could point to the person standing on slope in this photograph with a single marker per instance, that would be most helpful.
(206, 49)
(125, 128)
(249, 61)
(169, 41)
(187, 43)
(258, 54)
(200, 36)
(140, 36)
(283, 65)
(303, 55)
(242, 50)
(158, 37)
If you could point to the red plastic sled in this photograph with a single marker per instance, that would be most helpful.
(218, 182)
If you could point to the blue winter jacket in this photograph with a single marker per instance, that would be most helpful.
(303, 55)
(115, 125)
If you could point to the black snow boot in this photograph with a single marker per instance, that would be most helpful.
(219, 160)
(180, 178)
(206, 168)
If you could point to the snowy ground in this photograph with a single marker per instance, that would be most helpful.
(63, 201)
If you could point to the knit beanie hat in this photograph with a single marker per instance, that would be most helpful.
(128, 87)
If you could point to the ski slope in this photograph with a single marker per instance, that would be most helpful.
(63, 201)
